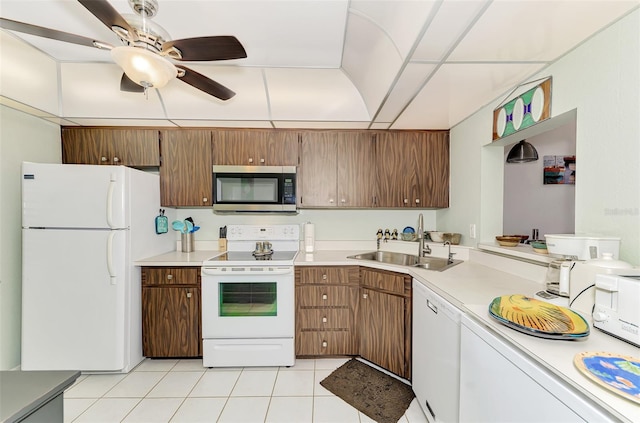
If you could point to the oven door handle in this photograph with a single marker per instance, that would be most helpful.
(217, 271)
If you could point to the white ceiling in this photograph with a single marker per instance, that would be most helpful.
(403, 64)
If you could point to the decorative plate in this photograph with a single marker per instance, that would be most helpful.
(618, 373)
(538, 318)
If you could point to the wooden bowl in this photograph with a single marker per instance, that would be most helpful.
(508, 241)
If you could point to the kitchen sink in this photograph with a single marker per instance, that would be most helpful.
(431, 263)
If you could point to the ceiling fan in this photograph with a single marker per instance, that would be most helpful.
(147, 48)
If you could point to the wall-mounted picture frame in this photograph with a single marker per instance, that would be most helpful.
(523, 111)
(559, 170)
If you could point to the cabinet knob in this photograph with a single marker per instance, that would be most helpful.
(188, 294)
(324, 344)
(324, 296)
(250, 159)
(169, 277)
(324, 320)
(365, 296)
(116, 160)
(417, 201)
(406, 201)
(261, 160)
(103, 159)
(331, 200)
(343, 201)
(205, 199)
(324, 277)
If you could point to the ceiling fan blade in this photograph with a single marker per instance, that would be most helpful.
(109, 16)
(126, 84)
(205, 84)
(221, 47)
(53, 34)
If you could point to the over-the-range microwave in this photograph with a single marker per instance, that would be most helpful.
(254, 188)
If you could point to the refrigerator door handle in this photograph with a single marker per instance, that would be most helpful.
(112, 185)
(112, 275)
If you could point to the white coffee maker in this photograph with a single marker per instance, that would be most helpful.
(569, 252)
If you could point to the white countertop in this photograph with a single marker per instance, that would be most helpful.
(472, 286)
(177, 258)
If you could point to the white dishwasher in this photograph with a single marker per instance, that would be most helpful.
(436, 355)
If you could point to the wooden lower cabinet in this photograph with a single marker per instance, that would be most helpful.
(384, 320)
(350, 310)
(326, 310)
(171, 317)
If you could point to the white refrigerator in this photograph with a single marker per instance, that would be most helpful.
(83, 226)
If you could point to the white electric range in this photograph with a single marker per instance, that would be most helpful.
(248, 316)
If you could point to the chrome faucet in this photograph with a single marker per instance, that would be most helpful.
(450, 255)
(423, 248)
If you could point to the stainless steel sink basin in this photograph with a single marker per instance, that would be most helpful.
(431, 263)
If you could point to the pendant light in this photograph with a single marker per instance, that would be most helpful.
(522, 152)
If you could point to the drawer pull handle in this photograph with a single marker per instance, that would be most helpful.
(188, 294)
(324, 296)
(324, 344)
(365, 296)
(324, 320)
(169, 277)
(324, 277)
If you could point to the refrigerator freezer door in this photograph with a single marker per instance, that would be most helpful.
(73, 299)
(73, 196)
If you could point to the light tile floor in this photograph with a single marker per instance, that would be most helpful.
(183, 391)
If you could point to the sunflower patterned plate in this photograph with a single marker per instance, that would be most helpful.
(617, 373)
(538, 318)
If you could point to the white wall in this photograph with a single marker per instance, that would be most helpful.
(22, 138)
(528, 203)
(330, 225)
(600, 80)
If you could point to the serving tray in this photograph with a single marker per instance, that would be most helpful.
(617, 373)
(538, 318)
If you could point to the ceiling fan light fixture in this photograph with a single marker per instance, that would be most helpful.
(523, 152)
(144, 67)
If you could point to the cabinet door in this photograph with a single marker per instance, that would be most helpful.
(317, 181)
(86, 146)
(255, 147)
(136, 147)
(434, 177)
(356, 169)
(112, 146)
(398, 158)
(413, 168)
(171, 322)
(382, 330)
(186, 170)
(494, 388)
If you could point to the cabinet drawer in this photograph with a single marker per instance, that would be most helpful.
(328, 275)
(323, 319)
(387, 281)
(323, 296)
(325, 343)
(170, 276)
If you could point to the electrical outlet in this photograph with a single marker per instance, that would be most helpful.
(472, 231)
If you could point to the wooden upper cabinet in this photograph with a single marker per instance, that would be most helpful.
(337, 169)
(111, 146)
(413, 169)
(318, 176)
(186, 171)
(255, 147)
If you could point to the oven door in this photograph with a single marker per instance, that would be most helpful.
(247, 302)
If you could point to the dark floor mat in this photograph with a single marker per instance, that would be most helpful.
(376, 394)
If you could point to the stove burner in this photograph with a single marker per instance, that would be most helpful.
(260, 255)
